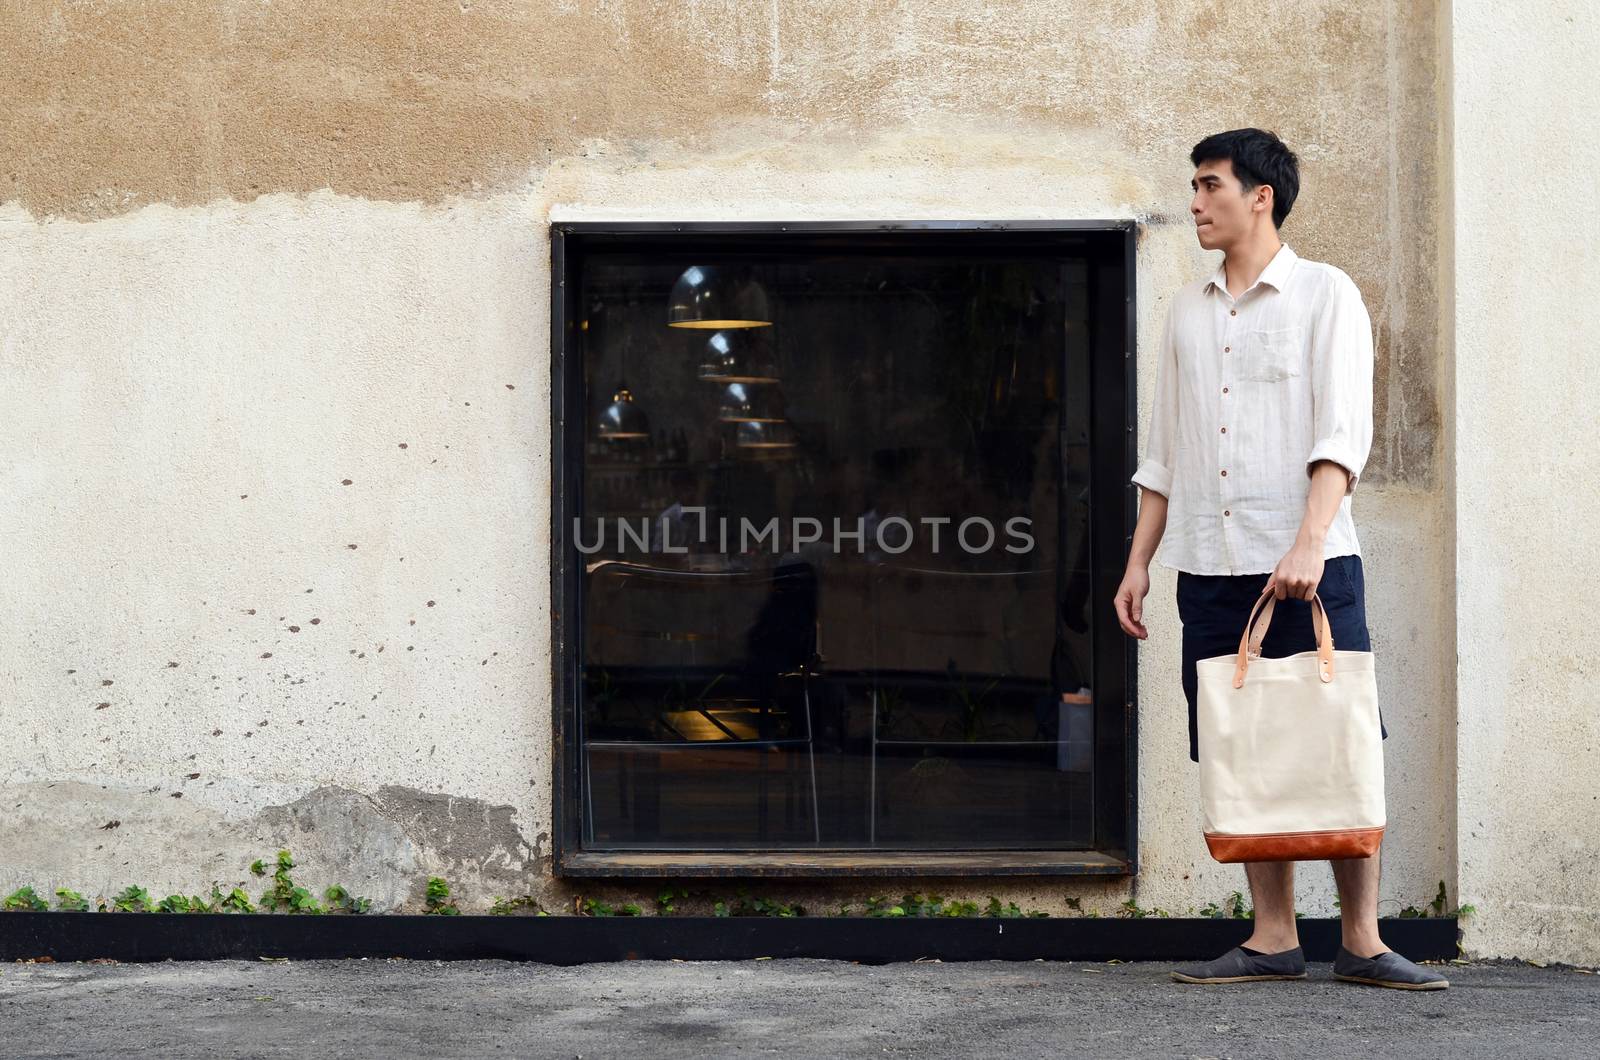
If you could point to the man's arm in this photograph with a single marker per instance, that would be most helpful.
(1155, 470)
(1329, 485)
(1149, 528)
(1155, 487)
(1341, 417)
(1341, 385)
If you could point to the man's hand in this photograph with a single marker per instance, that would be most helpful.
(1130, 601)
(1299, 572)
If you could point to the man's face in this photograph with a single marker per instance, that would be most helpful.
(1221, 208)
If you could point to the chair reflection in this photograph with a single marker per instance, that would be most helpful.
(683, 665)
(959, 659)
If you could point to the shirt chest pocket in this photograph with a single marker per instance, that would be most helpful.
(1272, 354)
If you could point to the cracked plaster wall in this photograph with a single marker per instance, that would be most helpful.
(273, 325)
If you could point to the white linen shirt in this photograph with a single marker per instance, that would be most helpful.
(1249, 393)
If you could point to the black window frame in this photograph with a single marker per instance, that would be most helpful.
(1113, 396)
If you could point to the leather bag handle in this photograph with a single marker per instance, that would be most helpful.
(1318, 618)
(1255, 631)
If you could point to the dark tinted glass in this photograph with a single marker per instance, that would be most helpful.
(834, 571)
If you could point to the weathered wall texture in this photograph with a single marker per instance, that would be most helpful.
(1526, 250)
(248, 254)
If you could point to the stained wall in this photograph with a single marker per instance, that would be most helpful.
(274, 334)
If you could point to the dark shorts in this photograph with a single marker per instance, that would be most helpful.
(1214, 608)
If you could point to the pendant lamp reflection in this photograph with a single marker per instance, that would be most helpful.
(714, 296)
(750, 404)
(737, 356)
(622, 418)
(758, 436)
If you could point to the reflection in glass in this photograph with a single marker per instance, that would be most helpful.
(737, 356)
(758, 434)
(623, 418)
(709, 296)
(850, 612)
(750, 404)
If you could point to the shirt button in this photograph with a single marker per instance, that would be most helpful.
(1227, 349)
(1224, 472)
(1226, 512)
(1224, 431)
(1224, 390)
(1233, 312)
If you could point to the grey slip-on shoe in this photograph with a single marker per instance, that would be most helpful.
(1237, 966)
(1386, 969)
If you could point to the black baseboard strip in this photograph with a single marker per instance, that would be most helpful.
(580, 940)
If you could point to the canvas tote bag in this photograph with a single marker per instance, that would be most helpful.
(1291, 749)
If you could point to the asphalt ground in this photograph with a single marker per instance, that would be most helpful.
(791, 1008)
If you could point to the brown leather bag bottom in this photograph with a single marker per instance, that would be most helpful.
(1296, 846)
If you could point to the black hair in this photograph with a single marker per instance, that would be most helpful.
(1258, 157)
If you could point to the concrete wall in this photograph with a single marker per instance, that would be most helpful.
(247, 254)
(1523, 234)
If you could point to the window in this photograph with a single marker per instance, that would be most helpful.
(838, 513)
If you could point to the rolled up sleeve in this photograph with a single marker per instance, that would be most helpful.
(1341, 382)
(1155, 470)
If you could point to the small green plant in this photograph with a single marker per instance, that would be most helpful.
(235, 901)
(595, 907)
(1131, 909)
(748, 906)
(994, 908)
(135, 899)
(178, 903)
(438, 898)
(24, 899)
(665, 901)
(880, 906)
(917, 905)
(969, 703)
(71, 901)
(1233, 908)
(132, 899)
(509, 906)
(340, 898)
(952, 908)
(1438, 907)
(889, 699)
(1433, 908)
(284, 892)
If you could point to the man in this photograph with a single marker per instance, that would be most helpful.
(1262, 424)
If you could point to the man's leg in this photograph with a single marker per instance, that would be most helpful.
(1358, 904)
(1211, 607)
(1364, 958)
(1273, 950)
(1272, 891)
